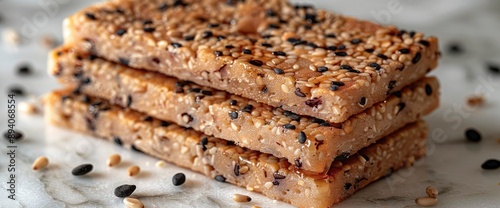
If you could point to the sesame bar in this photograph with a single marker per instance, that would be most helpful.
(312, 143)
(306, 60)
(226, 162)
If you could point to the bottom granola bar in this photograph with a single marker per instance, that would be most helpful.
(222, 160)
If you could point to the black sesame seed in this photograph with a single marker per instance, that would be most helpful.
(85, 81)
(124, 61)
(148, 118)
(334, 87)
(397, 94)
(322, 69)
(256, 62)
(314, 102)
(391, 85)
(218, 53)
(207, 34)
(133, 147)
(189, 37)
(163, 7)
(206, 92)
(370, 50)
(375, 65)
(330, 35)
(247, 51)
(16, 90)
(197, 90)
(347, 186)
(291, 115)
(289, 126)
(401, 106)
(455, 48)
(341, 47)
(312, 45)
(362, 102)
(279, 176)
(92, 57)
(337, 83)
(428, 89)
(278, 71)
(236, 169)
(248, 108)
(90, 16)
(213, 25)
(120, 32)
(266, 45)
(267, 36)
(494, 68)
(472, 135)
(382, 56)
(124, 190)
(264, 89)
(24, 69)
(82, 169)
(412, 33)
(273, 26)
(331, 48)
(298, 163)
(16, 135)
(233, 102)
(365, 157)
(293, 40)
(147, 22)
(117, 141)
(424, 42)
(302, 137)
(354, 71)
(311, 18)
(220, 178)
(176, 45)
(233, 115)
(129, 101)
(491, 164)
(356, 41)
(340, 53)
(203, 143)
(276, 183)
(345, 67)
(279, 53)
(149, 29)
(178, 179)
(404, 51)
(317, 120)
(164, 123)
(416, 58)
(342, 157)
(270, 13)
(299, 93)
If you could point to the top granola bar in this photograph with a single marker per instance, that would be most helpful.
(306, 60)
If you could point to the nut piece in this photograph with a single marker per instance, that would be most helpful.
(113, 160)
(40, 163)
(426, 201)
(133, 170)
(431, 191)
(241, 198)
(160, 164)
(27, 108)
(133, 203)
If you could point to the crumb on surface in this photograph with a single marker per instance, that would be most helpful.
(475, 100)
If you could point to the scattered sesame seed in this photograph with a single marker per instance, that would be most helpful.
(133, 203)
(117, 141)
(27, 108)
(247, 51)
(160, 164)
(279, 53)
(299, 93)
(362, 102)
(278, 71)
(120, 32)
(133, 170)
(472, 135)
(178, 179)
(40, 163)
(431, 191)
(345, 67)
(149, 29)
(416, 58)
(424, 42)
(331, 48)
(370, 50)
(256, 62)
(375, 65)
(16, 90)
(426, 201)
(382, 56)
(24, 69)
(491, 164)
(220, 178)
(207, 34)
(113, 160)
(124, 190)
(203, 143)
(302, 137)
(455, 48)
(494, 68)
(241, 198)
(82, 169)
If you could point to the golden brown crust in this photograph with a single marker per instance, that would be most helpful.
(259, 172)
(237, 48)
(262, 128)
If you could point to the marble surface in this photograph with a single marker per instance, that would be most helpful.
(453, 165)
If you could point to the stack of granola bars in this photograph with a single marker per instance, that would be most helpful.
(300, 104)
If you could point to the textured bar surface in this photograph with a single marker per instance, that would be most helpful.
(312, 142)
(274, 177)
(311, 62)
